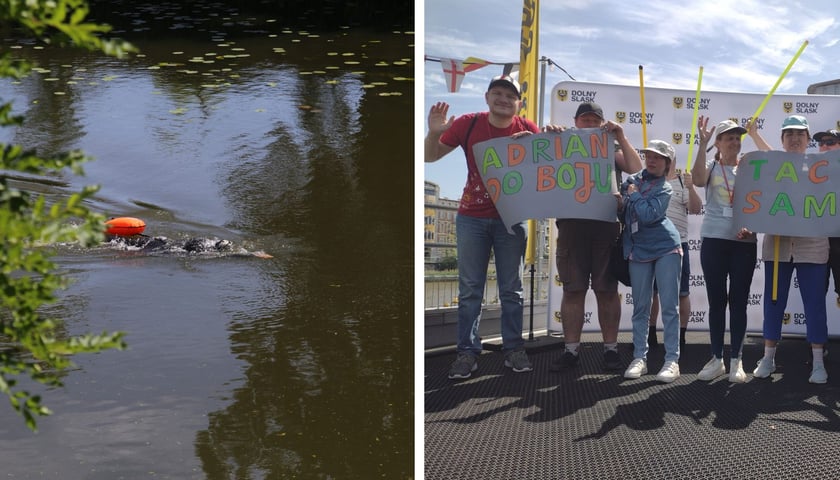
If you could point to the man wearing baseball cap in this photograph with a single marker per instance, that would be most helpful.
(505, 81)
(827, 141)
(479, 228)
(583, 257)
(590, 108)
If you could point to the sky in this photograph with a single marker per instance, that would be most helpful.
(743, 47)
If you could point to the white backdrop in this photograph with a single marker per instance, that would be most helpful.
(669, 114)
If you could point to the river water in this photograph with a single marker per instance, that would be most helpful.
(298, 144)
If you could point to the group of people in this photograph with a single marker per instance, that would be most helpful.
(652, 205)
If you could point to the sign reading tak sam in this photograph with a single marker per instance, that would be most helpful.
(788, 193)
(550, 175)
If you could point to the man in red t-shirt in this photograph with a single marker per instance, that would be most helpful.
(478, 227)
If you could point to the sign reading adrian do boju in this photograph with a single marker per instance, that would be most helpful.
(550, 175)
(789, 194)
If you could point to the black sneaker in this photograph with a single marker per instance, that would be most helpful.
(566, 360)
(612, 360)
(518, 361)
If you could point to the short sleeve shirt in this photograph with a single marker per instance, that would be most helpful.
(719, 189)
(475, 200)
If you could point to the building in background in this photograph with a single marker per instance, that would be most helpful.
(438, 226)
(439, 231)
(831, 87)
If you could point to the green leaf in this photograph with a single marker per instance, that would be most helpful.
(35, 346)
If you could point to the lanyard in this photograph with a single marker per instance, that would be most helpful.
(726, 182)
(648, 184)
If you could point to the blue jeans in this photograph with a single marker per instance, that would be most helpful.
(666, 270)
(811, 277)
(476, 238)
(685, 275)
(720, 259)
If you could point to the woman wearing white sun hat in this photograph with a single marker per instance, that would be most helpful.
(652, 245)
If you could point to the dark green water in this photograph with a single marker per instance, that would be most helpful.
(298, 366)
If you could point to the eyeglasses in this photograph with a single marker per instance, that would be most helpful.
(828, 143)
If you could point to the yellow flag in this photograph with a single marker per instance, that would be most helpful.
(528, 63)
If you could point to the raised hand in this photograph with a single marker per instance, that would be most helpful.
(703, 131)
(438, 123)
(687, 179)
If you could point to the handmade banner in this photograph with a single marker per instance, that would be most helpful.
(550, 175)
(788, 193)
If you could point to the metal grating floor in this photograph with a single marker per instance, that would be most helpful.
(591, 424)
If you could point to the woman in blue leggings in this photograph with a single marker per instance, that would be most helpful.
(809, 257)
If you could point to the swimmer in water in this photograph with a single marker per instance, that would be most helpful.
(193, 245)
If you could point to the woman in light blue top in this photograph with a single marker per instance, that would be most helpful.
(652, 244)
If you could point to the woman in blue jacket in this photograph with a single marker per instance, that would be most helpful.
(652, 245)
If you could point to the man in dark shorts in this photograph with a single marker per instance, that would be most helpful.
(583, 257)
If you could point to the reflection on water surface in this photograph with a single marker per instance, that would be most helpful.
(272, 138)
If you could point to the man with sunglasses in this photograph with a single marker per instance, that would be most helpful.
(827, 141)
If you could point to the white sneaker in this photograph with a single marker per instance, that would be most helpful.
(736, 371)
(765, 367)
(818, 374)
(713, 369)
(637, 368)
(670, 372)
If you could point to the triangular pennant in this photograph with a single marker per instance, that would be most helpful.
(453, 72)
(474, 63)
(510, 68)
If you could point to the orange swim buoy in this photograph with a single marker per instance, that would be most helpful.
(125, 226)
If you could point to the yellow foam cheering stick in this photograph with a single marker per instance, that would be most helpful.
(773, 90)
(694, 122)
(644, 117)
(774, 294)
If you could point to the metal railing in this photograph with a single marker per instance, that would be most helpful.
(441, 289)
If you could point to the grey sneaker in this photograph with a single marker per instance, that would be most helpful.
(463, 366)
(518, 361)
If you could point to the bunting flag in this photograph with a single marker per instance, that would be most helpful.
(528, 62)
(454, 72)
(474, 63)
